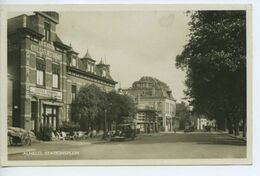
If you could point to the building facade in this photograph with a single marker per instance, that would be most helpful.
(151, 93)
(47, 73)
(146, 120)
(202, 122)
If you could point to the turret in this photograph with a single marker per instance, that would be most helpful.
(88, 62)
(104, 68)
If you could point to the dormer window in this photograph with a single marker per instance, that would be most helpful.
(90, 68)
(74, 62)
(47, 32)
(103, 73)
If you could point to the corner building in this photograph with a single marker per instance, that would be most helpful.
(152, 94)
(46, 73)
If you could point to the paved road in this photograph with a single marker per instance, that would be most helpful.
(158, 146)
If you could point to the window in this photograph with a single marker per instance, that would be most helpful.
(55, 80)
(73, 93)
(74, 62)
(103, 73)
(55, 75)
(40, 77)
(47, 32)
(40, 72)
(90, 68)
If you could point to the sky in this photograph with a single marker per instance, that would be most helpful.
(133, 43)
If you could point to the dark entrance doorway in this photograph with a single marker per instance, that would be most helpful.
(34, 111)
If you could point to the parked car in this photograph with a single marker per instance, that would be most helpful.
(207, 128)
(124, 131)
(189, 128)
(20, 136)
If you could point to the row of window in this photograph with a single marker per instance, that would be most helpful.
(40, 74)
(90, 67)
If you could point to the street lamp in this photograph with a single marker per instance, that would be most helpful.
(105, 122)
(105, 126)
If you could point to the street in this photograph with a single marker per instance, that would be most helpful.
(154, 146)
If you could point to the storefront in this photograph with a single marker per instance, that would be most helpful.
(46, 109)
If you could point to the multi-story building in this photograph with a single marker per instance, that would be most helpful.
(151, 93)
(47, 73)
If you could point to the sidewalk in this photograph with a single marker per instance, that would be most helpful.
(35, 146)
(240, 136)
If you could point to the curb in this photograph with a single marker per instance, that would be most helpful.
(233, 136)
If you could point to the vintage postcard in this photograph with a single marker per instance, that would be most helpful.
(126, 85)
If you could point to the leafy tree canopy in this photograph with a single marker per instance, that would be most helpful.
(214, 59)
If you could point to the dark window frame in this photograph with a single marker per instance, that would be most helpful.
(47, 31)
(73, 93)
(40, 66)
(56, 71)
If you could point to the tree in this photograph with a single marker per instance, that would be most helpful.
(98, 110)
(121, 108)
(215, 62)
(87, 106)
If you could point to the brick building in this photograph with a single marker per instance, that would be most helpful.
(153, 94)
(47, 73)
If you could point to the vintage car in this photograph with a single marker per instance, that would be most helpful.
(189, 128)
(19, 136)
(123, 132)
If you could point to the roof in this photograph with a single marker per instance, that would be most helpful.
(149, 87)
(58, 42)
(88, 57)
(83, 65)
(101, 63)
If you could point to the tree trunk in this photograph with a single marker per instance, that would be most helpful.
(221, 124)
(236, 125)
(244, 128)
(230, 126)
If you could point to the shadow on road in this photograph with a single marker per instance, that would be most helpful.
(203, 138)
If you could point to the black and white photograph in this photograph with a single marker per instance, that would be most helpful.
(111, 85)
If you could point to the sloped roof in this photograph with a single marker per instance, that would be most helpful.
(58, 39)
(150, 87)
(88, 57)
(83, 63)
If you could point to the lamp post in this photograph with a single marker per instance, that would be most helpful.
(105, 125)
(105, 122)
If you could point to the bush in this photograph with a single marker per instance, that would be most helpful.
(45, 134)
(70, 126)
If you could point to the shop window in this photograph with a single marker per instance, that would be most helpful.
(47, 32)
